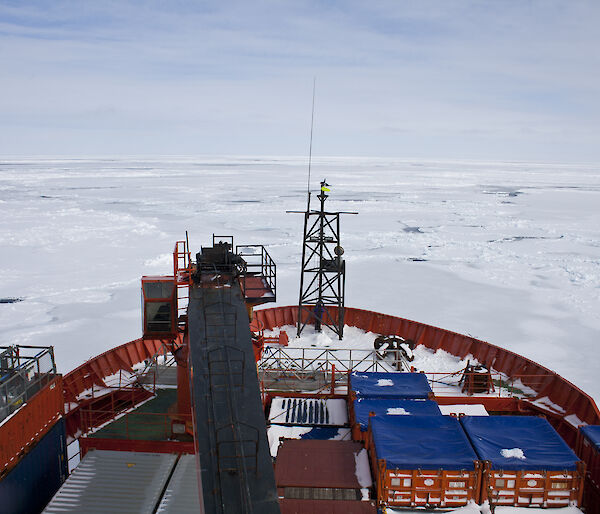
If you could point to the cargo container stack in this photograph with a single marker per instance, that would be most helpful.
(33, 455)
(422, 461)
(361, 409)
(525, 462)
(323, 476)
(419, 458)
(377, 393)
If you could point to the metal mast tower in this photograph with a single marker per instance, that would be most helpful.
(323, 275)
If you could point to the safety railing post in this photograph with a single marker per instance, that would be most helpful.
(333, 379)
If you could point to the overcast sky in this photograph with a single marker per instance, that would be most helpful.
(508, 80)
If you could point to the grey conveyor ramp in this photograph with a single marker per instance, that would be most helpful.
(230, 432)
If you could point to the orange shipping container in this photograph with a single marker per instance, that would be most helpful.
(20, 432)
(422, 461)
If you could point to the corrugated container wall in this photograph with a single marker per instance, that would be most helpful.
(31, 484)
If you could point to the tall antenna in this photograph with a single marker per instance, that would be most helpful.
(312, 119)
(323, 274)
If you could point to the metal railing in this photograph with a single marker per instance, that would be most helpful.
(308, 360)
(335, 364)
(182, 275)
(24, 370)
(451, 384)
(133, 424)
(258, 264)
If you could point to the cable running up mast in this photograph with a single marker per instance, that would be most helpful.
(323, 274)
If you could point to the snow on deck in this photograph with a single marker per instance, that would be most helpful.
(476, 409)
(443, 369)
(284, 410)
(473, 508)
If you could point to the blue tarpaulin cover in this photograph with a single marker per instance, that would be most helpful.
(389, 385)
(592, 434)
(322, 433)
(364, 406)
(541, 445)
(422, 442)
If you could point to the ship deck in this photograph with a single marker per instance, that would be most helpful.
(150, 421)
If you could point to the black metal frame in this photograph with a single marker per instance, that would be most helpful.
(325, 282)
(266, 268)
(22, 374)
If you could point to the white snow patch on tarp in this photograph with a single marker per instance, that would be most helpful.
(507, 453)
(382, 382)
(397, 411)
(362, 471)
(476, 409)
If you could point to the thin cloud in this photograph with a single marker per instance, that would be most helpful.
(460, 76)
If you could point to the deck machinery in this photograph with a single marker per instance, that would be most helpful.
(217, 377)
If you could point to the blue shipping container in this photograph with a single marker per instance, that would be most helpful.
(34, 481)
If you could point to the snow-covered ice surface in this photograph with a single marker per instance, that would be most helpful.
(506, 252)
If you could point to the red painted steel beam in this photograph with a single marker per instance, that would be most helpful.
(133, 445)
